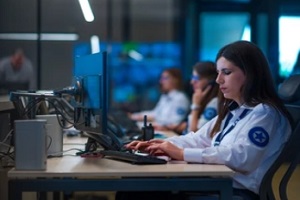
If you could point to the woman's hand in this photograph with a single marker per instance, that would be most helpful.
(158, 147)
(135, 116)
(137, 145)
(199, 94)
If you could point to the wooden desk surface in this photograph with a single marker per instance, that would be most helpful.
(4, 98)
(71, 166)
(6, 105)
(76, 166)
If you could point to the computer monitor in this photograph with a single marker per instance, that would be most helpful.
(8, 86)
(91, 108)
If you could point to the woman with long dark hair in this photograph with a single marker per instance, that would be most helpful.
(250, 130)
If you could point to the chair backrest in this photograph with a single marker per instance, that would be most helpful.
(292, 150)
(289, 91)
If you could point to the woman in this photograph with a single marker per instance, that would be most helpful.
(173, 105)
(204, 105)
(250, 130)
(204, 102)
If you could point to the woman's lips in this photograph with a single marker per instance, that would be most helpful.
(222, 89)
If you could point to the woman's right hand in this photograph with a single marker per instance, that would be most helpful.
(199, 94)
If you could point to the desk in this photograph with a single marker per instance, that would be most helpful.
(4, 98)
(73, 173)
(6, 106)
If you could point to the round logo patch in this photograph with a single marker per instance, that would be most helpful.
(180, 111)
(259, 136)
(209, 113)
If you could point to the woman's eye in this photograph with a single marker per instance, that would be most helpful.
(227, 72)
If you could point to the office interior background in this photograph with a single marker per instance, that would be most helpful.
(143, 37)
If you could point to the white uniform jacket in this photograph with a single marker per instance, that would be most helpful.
(249, 148)
(172, 108)
(210, 111)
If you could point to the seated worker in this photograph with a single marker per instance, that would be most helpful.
(250, 130)
(16, 72)
(173, 104)
(204, 99)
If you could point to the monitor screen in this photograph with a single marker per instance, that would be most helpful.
(91, 110)
(135, 68)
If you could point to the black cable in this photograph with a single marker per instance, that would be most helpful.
(31, 105)
(61, 106)
(59, 112)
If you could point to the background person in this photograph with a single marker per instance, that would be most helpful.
(205, 101)
(17, 69)
(250, 130)
(205, 97)
(173, 104)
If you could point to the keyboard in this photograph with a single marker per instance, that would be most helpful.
(132, 157)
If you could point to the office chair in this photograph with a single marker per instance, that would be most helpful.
(289, 91)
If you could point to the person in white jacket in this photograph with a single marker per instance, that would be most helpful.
(252, 126)
(173, 104)
(204, 99)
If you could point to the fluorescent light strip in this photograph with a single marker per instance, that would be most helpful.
(95, 44)
(59, 36)
(86, 10)
(135, 55)
(18, 36)
(44, 36)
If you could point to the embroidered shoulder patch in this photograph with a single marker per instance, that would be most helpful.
(209, 113)
(180, 111)
(259, 136)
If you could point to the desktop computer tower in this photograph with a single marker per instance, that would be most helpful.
(30, 144)
(54, 134)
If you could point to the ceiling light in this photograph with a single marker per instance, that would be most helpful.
(43, 36)
(95, 44)
(135, 55)
(86, 10)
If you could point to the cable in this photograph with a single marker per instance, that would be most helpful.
(31, 105)
(62, 153)
(61, 106)
(50, 142)
(6, 137)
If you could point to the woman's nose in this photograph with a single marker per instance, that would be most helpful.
(219, 79)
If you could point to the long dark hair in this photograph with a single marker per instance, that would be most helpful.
(259, 86)
(207, 69)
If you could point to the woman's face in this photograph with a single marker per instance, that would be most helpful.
(198, 82)
(231, 80)
(167, 82)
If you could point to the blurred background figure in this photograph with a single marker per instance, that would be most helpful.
(173, 104)
(205, 101)
(16, 73)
